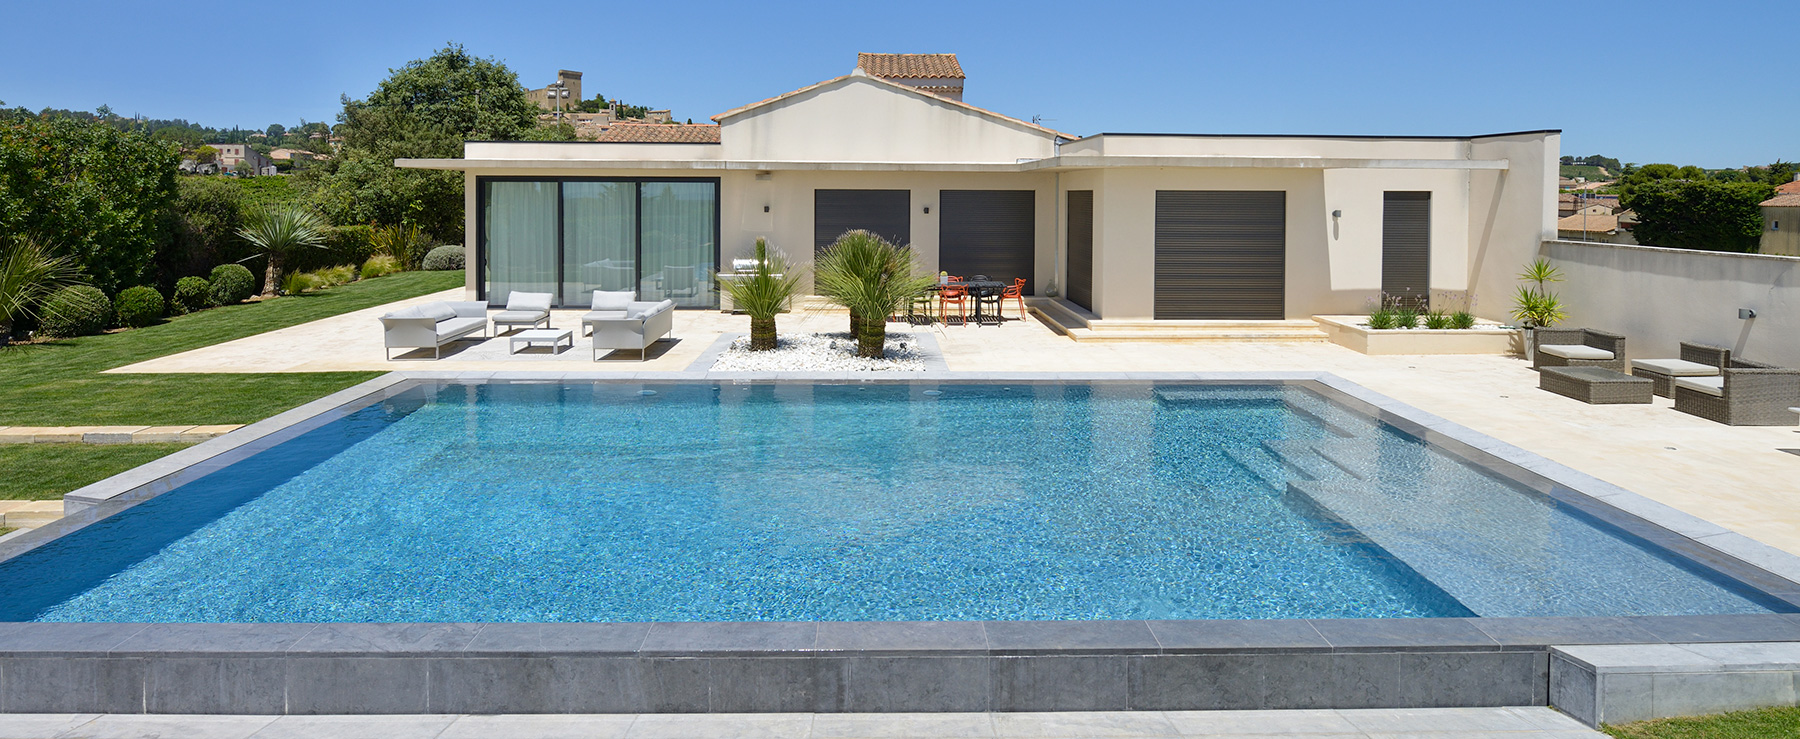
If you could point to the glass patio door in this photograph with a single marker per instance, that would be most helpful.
(521, 218)
(599, 239)
(679, 242)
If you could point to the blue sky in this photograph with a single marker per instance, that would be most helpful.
(1687, 82)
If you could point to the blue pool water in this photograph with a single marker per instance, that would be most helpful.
(595, 502)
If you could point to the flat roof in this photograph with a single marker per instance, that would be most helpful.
(1331, 135)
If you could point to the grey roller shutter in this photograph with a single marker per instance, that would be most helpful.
(1221, 255)
(988, 232)
(1406, 246)
(885, 213)
(1081, 248)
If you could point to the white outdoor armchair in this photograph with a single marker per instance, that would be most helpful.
(618, 322)
(524, 309)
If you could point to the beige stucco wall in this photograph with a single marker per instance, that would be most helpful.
(859, 119)
(1659, 297)
(1785, 241)
(1511, 213)
(1269, 146)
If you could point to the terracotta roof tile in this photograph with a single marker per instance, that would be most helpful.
(1592, 223)
(1789, 200)
(895, 85)
(910, 65)
(660, 133)
(1788, 187)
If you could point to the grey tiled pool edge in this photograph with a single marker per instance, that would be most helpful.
(832, 666)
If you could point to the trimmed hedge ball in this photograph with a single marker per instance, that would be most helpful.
(230, 283)
(138, 307)
(443, 258)
(191, 294)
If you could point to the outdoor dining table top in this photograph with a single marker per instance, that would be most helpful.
(976, 285)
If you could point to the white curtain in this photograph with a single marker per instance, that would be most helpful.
(679, 243)
(599, 239)
(520, 221)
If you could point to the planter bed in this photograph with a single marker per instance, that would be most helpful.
(1487, 337)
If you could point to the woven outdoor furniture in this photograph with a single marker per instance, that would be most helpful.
(1577, 347)
(1745, 393)
(1594, 385)
(1697, 360)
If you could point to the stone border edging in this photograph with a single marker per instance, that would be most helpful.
(189, 434)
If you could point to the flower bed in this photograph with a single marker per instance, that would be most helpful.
(833, 352)
(1487, 337)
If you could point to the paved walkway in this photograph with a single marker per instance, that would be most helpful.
(1743, 478)
(113, 434)
(1440, 723)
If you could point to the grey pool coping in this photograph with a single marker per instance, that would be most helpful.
(1047, 665)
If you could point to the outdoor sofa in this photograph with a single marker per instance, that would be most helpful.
(432, 325)
(1744, 393)
(1697, 360)
(619, 321)
(524, 309)
(1578, 347)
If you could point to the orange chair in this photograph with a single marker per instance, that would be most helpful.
(1016, 292)
(951, 294)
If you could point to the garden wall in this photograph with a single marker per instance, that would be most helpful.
(1659, 297)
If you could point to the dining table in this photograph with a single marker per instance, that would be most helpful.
(978, 289)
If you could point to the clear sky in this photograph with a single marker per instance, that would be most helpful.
(1704, 83)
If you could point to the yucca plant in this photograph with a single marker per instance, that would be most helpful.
(872, 278)
(28, 274)
(764, 293)
(279, 232)
(1534, 305)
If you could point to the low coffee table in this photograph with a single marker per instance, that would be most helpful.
(1595, 385)
(554, 336)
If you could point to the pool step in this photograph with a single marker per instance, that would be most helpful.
(1301, 455)
(29, 514)
(1263, 466)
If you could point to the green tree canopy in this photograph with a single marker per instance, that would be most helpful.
(1698, 213)
(425, 109)
(89, 191)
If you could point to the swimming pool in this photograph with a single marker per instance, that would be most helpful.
(631, 502)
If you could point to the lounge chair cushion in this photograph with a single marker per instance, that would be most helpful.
(439, 311)
(641, 311)
(459, 325)
(1714, 386)
(1676, 367)
(613, 300)
(518, 301)
(1575, 351)
(602, 315)
(520, 316)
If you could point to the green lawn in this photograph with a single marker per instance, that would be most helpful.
(1591, 172)
(1768, 722)
(59, 383)
(46, 471)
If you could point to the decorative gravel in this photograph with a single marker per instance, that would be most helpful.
(821, 353)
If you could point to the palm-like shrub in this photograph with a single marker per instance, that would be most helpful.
(1534, 304)
(28, 274)
(764, 293)
(406, 244)
(873, 278)
(280, 232)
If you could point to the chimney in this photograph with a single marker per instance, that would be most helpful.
(938, 74)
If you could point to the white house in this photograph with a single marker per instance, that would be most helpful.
(1169, 227)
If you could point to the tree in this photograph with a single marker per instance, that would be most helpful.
(425, 109)
(278, 233)
(764, 293)
(90, 192)
(871, 277)
(1698, 214)
(275, 130)
(209, 211)
(205, 155)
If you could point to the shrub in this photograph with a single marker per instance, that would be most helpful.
(138, 307)
(1437, 320)
(380, 264)
(191, 294)
(77, 310)
(1406, 316)
(406, 244)
(1382, 319)
(343, 245)
(342, 274)
(1462, 319)
(230, 283)
(443, 258)
(298, 282)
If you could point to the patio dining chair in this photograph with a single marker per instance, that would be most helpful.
(957, 296)
(1015, 292)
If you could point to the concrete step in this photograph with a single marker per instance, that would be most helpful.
(1620, 683)
(1079, 325)
(29, 514)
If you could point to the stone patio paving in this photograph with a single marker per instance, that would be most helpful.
(1746, 479)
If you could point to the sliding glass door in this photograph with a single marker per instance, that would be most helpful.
(522, 217)
(570, 237)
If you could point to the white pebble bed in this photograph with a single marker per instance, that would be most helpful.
(834, 352)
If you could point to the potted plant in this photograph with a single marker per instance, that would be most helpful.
(763, 293)
(1534, 306)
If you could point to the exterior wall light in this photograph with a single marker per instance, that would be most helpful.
(1337, 214)
(1746, 313)
(765, 209)
(927, 210)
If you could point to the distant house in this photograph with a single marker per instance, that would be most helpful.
(1790, 188)
(1594, 225)
(296, 155)
(229, 157)
(1781, 223)
(560, 95)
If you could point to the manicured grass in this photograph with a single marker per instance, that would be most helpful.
(59, 383)
(1768, 722)
(46, 471)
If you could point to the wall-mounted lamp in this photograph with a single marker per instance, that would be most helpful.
(1337, 214)
(1746, 313)
(765, 209)
(927, 210)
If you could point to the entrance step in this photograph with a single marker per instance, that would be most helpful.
(1619, 683)
(1072, 321)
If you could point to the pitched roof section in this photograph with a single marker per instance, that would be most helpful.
(897, 86)
(1788, 187)
(660, 133)
(910, 66)
(1789, 200)
(1588, 223)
